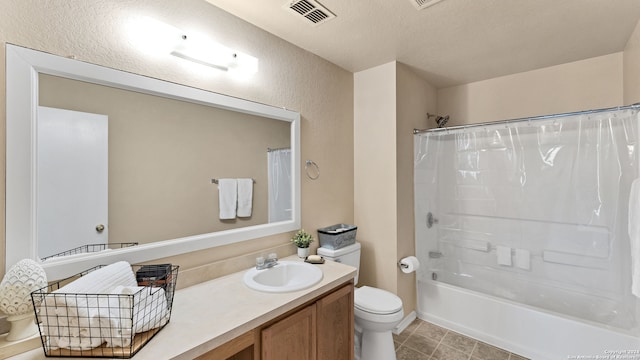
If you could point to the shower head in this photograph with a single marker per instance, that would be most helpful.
(442, 120)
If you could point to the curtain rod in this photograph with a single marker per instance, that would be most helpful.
(635, 106)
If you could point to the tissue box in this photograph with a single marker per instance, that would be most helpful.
(337, 236)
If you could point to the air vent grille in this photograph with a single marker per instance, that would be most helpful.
(302, 7)
(311, 10)
(423, 4)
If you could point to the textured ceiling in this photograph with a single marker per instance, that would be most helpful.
(454, 41)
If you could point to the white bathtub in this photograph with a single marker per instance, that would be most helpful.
(521, 329)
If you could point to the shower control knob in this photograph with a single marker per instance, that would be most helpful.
(431, 220)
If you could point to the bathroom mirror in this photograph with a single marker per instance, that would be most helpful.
(190, 222)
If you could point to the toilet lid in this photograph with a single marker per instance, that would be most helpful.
(377, 301)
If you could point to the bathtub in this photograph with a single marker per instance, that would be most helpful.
(521, 329)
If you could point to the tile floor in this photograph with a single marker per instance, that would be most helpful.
(425, 341)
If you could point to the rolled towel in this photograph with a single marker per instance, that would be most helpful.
(70, 315)
(103, 280)
(67, 321)
(132, 310)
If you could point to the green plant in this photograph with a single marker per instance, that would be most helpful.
(302, 239)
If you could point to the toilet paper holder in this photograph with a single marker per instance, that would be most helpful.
(409, 264)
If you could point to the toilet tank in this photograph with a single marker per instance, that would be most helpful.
(349, 255)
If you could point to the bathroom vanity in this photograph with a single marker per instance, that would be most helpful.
(224, 319)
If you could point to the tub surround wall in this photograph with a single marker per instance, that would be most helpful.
(390, 101)
(288, 76)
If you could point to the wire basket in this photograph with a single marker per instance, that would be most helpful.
(115, 325)
(89, 248)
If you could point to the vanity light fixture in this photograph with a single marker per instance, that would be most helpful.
(155, 37)
(208, 53)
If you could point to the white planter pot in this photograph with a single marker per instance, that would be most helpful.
(303, 252)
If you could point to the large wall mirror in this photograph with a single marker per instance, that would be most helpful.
(126, 167)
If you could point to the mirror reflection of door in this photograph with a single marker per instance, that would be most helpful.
(72, 155)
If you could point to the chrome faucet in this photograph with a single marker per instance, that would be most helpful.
(271, 261)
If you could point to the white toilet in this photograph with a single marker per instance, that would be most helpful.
(377, 311)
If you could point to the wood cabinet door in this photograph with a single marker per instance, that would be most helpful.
(292, 338)
(335, 325)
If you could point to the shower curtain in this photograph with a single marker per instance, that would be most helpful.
(279, 174)
(535, 211)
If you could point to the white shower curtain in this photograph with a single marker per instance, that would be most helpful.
(534, 211)
(279, 168)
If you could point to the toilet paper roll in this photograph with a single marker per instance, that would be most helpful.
(409, 264)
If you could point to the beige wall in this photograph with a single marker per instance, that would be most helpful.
(93, 31)
(389, 102)
(374, 171)
(414, 98)
(632, 68)
(581, 85)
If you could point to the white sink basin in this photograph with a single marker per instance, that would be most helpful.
(287, 276)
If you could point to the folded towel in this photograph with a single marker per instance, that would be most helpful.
(504, 255)
(522, 259)
(70, 314)
(245, 197)
(634, 236)
(227, 198)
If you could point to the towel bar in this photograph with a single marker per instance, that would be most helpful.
(215, 181)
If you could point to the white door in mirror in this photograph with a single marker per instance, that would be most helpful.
(73, 158)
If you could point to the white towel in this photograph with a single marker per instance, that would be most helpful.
(245, 197)
(522, 259)
(634, 236)
(228, 195)
(70, 314)
(504, 255)
(132, 310)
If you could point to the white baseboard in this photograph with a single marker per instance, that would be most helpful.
(405, 323)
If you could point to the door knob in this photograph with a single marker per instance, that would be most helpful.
(100, 228)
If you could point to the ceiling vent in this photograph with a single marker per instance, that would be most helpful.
(311, 10)
(423, 4)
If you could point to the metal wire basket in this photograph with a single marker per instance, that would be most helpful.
(89, 248)
(115, 325)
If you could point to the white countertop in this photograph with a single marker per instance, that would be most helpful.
(209, 314)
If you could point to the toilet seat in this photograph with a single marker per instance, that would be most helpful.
(376, 301)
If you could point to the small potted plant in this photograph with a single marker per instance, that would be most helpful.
(302, 240)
